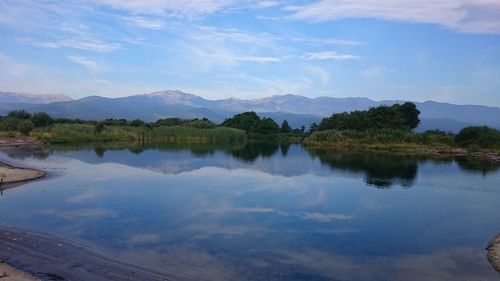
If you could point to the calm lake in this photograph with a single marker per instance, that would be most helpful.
(266, 212)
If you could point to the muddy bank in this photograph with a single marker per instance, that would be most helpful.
(18, 141)
(494, 252)
(49, 257)
(10, 174)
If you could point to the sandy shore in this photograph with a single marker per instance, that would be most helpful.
(494, 252)
(48, 257)
(11, 174)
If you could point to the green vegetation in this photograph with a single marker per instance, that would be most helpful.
(384, 127)
(381, 138)
(49, 130)
(390, 127)
(265, 129)
(479, 136)
(397, 116)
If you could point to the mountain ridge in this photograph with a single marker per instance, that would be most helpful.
(298, 110)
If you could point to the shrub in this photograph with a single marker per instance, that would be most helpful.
(41, 119)
(19, 114)
(99, 127)
(25, 127)
(482, 136)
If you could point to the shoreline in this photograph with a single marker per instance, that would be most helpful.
(11, 174)
(494, 252)
(485, 155)
(18, 141)
(48, 257)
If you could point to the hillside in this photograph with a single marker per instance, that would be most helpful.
(298, 110)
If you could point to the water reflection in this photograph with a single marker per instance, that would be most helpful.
(266, 211)
(382, 170)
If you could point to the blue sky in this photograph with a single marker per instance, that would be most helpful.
(444, 50)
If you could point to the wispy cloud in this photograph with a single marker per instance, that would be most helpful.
(329, 55)
(257, 59)
(267, 4)
(146, 22)
(92, 45)
(186, 8)
(325, 217)
(91, 65)
(474, 16)
(326, 41)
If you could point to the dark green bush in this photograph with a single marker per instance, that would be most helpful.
(25, 127)
(480, 136)
(41, 119)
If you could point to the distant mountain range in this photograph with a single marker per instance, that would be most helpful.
(12, 97)
(298, 110)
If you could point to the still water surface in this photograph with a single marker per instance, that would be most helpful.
(266, 212)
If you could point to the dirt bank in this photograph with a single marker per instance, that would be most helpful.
(17, 141)
(11, 174)
(494, 252)
(48, 257)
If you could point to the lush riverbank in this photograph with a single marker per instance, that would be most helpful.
(403, 141)
(85, 133)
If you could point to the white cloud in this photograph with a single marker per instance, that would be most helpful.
(91, 65)
(92, 45)
(185, 8)
(329, 55)
(267, 4)
(325, 217)
(260, 39)
(327, 41)
(474, 16)
(146, 22)
(257, 59)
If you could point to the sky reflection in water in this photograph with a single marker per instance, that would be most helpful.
(265, 212)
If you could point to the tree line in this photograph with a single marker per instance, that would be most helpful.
(24, 122)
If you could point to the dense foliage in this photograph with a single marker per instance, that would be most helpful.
(397, 116)
(251, 123)
(479, 136)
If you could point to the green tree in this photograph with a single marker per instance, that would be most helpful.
(99, 127)
(19, 114)
(246, 121)
(267, 126)
(8, 124)
(25, 127)
(136, 123)
(285, 128)
(400, 117)
(410, 114)
(481, 136)
(41, 119)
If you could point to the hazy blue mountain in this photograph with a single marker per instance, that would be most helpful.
(294, 120)
(298, 110)
(11, 97)
(443, 124)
